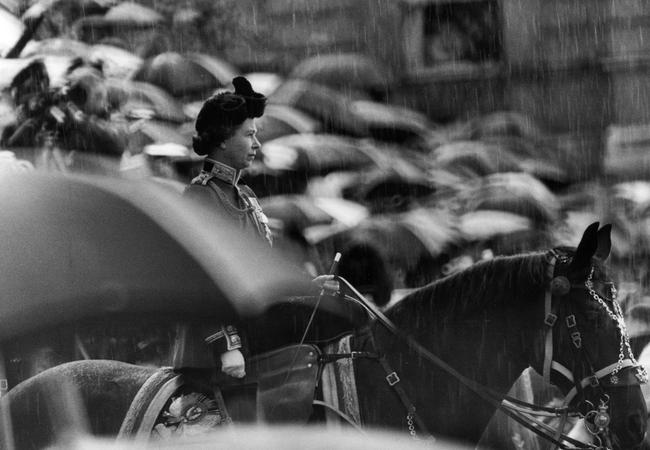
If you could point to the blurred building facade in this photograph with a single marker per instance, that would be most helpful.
(574, 67)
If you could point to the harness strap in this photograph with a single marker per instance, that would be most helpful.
(560, 429)
(544, 431)
(549, 319)
(393, 381)
(562, 370)
(580, 357)
(326, 358)
(489, 396)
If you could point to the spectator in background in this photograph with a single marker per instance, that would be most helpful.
(91, 130)
(73, 118)
(29, 90)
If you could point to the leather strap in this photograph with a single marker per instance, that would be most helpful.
(549, 320)
(331, 357)
(599, 374)
(393, 381)
(560, 429)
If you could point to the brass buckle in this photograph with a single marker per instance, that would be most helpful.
(392, 379)
(550, 319)
(570, 321)
(577, 339)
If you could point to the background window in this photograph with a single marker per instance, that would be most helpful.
(461, 31)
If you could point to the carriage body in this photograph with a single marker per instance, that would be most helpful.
(100, 269)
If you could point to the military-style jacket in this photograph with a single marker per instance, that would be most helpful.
(217, 188)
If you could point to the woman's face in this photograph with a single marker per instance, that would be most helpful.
(239, 151)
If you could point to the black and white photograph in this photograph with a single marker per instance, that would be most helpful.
(324, 224)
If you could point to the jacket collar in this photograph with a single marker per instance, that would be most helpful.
(221, 171)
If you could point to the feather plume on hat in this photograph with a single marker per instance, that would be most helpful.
(255, 102)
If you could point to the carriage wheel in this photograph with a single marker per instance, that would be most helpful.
(167, 405)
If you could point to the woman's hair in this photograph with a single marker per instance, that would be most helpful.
(223, 113)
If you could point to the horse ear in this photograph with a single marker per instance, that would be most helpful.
(604, 242)
(587, 247)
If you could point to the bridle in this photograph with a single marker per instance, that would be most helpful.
(561, 286)
(597, 417)
(616, 374)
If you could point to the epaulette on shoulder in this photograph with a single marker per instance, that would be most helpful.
(202, 178)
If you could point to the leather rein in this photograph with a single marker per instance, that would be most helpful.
(520, 411)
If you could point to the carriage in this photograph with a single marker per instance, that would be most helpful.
(101, 274)
(102, 280)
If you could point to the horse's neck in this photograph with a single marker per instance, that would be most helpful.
(482, 350)
(484, 321)
(489, 351)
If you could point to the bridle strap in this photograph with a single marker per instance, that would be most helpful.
(598, 374)
(560, 428)
(549, 320)
(562, 370)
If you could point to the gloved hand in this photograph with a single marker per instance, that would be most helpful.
(327, 283)
(232, 363)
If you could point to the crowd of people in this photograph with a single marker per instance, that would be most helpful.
(458, 192)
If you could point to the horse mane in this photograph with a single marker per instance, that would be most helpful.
(497, 283)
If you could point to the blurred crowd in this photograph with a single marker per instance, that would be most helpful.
(344, 166)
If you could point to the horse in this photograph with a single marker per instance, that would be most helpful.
(440, 361)
(553, 311)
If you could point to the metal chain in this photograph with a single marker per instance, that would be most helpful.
(411, 426)
(617, 316)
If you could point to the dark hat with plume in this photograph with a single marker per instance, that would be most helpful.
(225, 110)
(231, 108)
(255, 102)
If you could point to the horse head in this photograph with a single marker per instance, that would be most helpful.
(586, 347)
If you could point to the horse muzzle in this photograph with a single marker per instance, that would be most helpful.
(630, 432)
